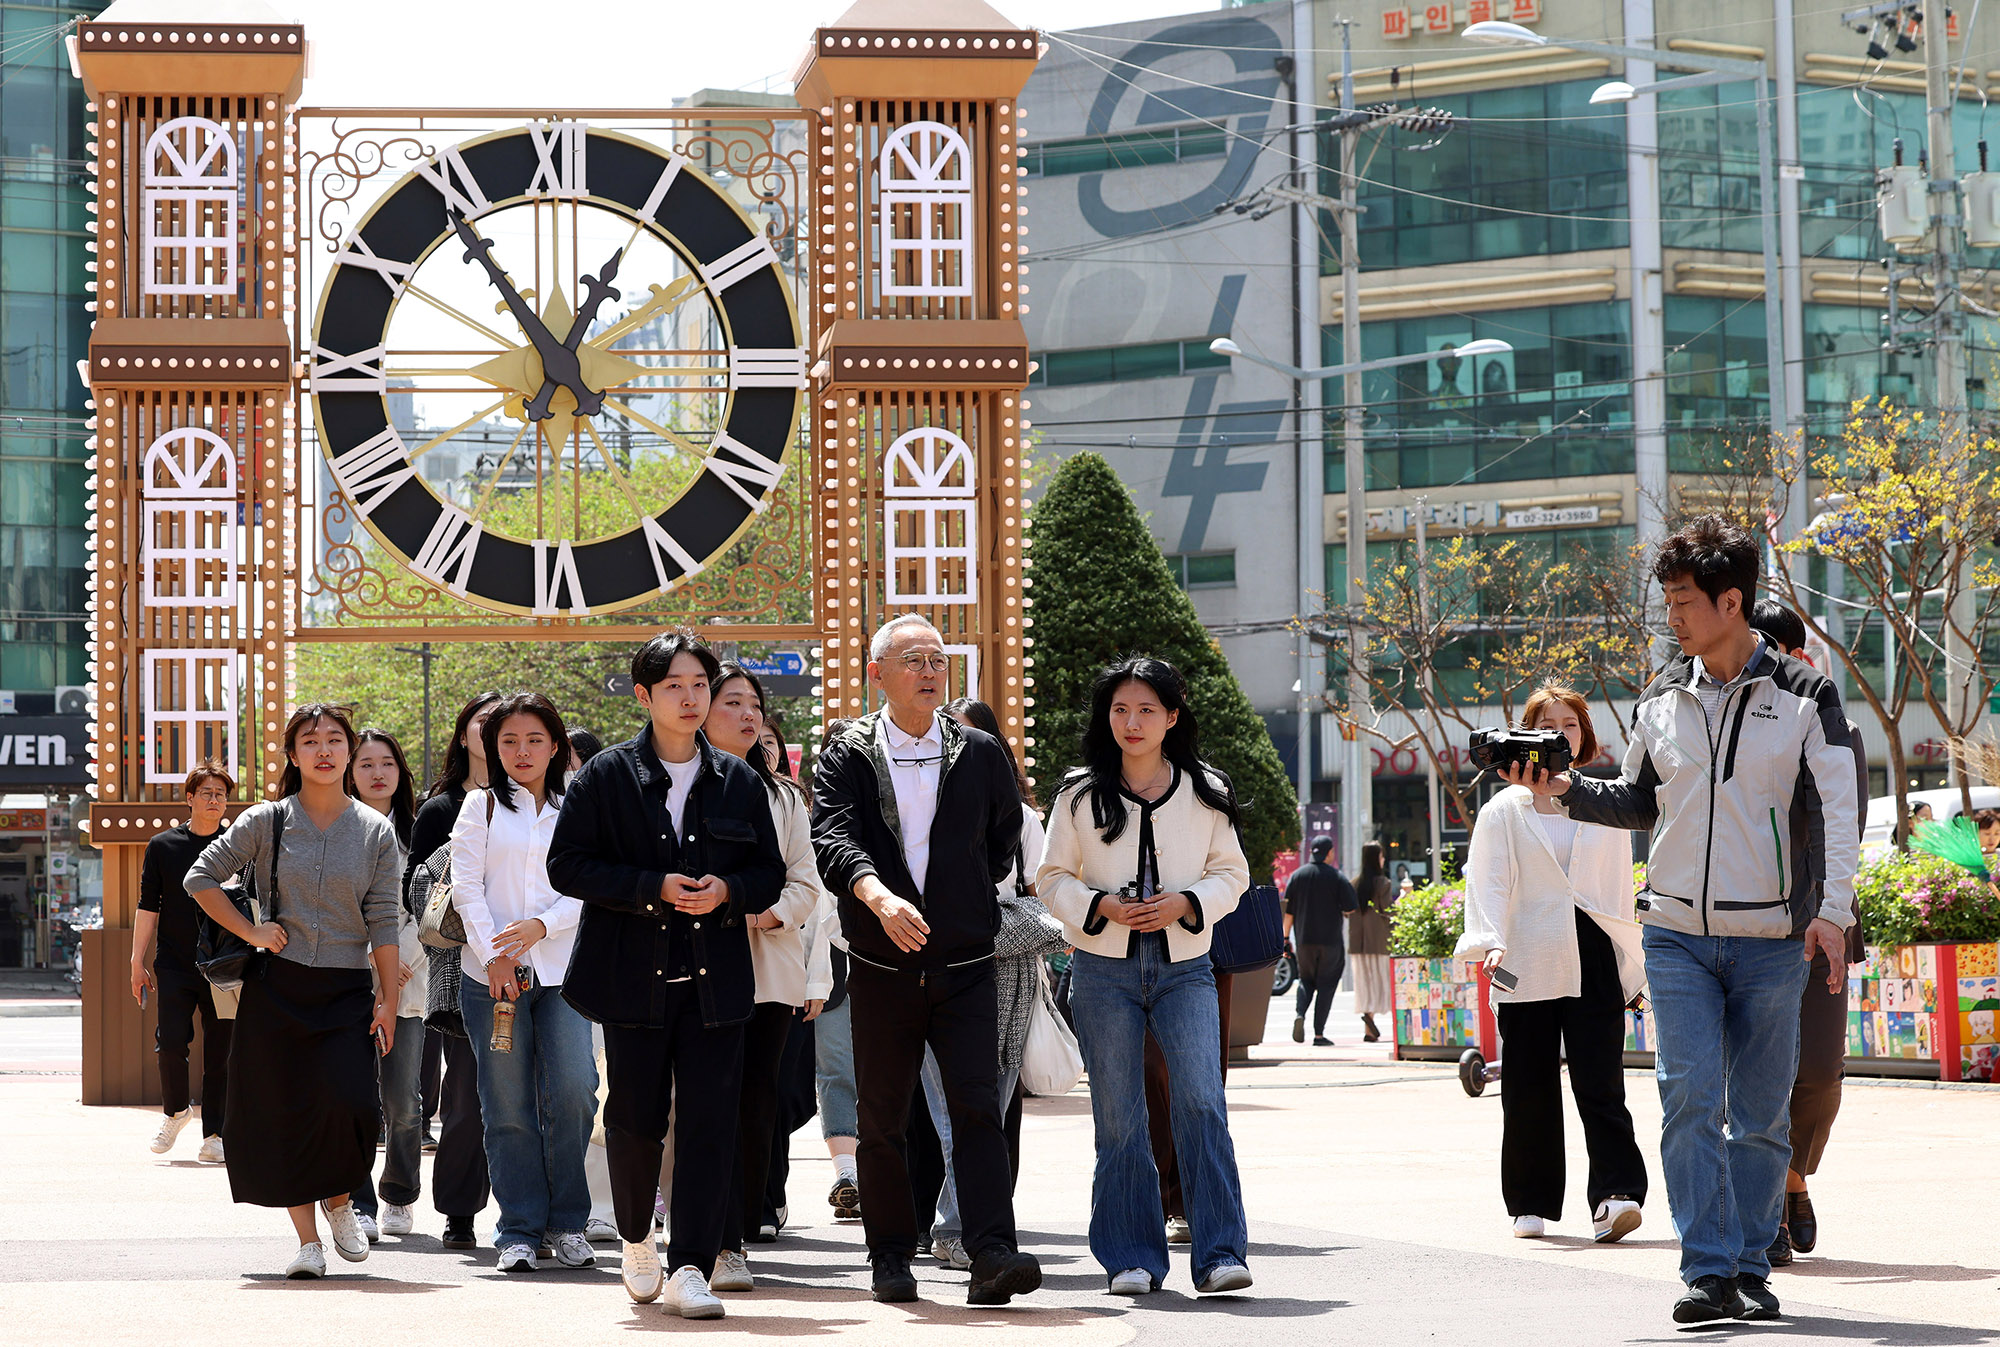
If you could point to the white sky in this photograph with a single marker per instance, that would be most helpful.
(603, 53)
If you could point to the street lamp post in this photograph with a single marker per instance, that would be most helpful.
(1355, 783)
(1713, 70)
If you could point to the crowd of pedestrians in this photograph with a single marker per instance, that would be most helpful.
(640, 966)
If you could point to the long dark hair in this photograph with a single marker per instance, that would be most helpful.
(542, 709)
(1104, 761)
(759, 761)
(982, 718)
(294, 780)
(1371, 861)
(457, 767)
(403, 803)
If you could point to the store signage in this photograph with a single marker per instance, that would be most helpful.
(43, 750)
(14, 821)
(1568, 517)
(1479, 514)
(1445, 17)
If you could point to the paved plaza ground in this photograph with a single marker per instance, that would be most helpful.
(1372, 1188)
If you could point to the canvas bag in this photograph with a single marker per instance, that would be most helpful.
(1051, 1063)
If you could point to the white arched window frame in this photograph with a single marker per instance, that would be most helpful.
(188, 215)
(925, 186)
(189, 703)
(189, 498)
(930, 518)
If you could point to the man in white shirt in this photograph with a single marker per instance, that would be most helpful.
(920, 922)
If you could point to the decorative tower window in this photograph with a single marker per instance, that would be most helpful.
(189, 194)
(926, 193)
(188, 494)
(930, 519)
(189, 703)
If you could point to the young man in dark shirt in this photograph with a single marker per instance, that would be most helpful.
(166, 911)
(1317, 896)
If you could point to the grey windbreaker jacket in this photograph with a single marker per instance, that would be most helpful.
(1730, 806)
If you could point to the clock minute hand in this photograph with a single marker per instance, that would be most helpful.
(560, 365)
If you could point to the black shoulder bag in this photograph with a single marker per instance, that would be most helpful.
(224, 957)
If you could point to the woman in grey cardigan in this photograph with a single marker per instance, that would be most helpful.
(327, 870)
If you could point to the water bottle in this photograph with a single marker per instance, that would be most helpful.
(503, 1015)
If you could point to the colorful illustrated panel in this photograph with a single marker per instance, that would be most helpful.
(1979, 1012)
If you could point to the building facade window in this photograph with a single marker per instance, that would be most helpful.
(1532, 171)
(1203, 570)
(1130, 149)
(1558, 405)
(1119, 364)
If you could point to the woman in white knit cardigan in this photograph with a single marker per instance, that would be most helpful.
(1549, 909)
(1142, 860)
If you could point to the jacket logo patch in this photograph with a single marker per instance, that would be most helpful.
(1764, 714)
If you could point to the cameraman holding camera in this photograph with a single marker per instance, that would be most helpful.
(1730, 742)
(1548, 907)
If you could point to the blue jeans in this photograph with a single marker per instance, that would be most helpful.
(1727, 1012)
(948, 1225)
(833, 1068)
(402, 1120)
(538, 1102)
(1116, 1001)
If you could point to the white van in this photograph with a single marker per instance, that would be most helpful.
(1879, 835)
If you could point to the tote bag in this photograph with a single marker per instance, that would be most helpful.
(1051, 1065)
(222, 956)
(1252, 936)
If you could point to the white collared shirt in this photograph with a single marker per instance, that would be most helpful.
(1711, 691)
(500, 875)
(915, 764)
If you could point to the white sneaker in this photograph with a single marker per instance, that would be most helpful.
(397, 1219)
(211, 1150)
(641, 1272)
(1615, 1218)
(1133, 1281)
(368, 1225)
(951, 1252)
(1225, 1277)
(170, 1130)
(732, 1272)
(1178, 1232)
(348, 1241)
(309, 1261)
(573, 1250)
(1529, 1227)
(600, 1231)
(689, 1297)
(517, 1258)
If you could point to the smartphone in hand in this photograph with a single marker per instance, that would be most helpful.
(381, 1043)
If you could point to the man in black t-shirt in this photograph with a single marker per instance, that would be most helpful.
(166, 910)
(1316, 897)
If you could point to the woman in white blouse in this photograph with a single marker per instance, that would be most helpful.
(1549, 909)
(777, 955)
(1142, 860)
(538, 1096)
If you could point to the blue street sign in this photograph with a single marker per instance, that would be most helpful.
(776, 665)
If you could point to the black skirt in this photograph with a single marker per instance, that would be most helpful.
(303, 1106)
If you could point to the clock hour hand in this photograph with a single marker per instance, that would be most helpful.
(560, 365)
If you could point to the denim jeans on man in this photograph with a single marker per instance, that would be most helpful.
(539, 1102)
(1726, 1009)
(1116, 1001)
(948, 1225)
(397, 1076)
(833, 1069)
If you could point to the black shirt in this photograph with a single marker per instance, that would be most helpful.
(163, 889)
(1316, 895)
(431, 830)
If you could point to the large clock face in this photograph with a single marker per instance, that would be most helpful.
(557, 370)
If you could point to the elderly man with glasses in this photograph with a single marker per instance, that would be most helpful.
(916, 819)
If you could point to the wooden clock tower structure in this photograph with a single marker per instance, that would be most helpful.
(922, 364)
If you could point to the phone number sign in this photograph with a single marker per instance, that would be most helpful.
(1449, 18)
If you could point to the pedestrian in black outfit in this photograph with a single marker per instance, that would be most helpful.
(183, 993)
(1316, 896)
(916, 819)
(459, 1183)
(304, 1112)
(670, 845)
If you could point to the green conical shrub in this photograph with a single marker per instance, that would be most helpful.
(1102, 591)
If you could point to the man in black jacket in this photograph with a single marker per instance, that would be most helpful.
(662, 958)
(1316, 897)
(916, 819)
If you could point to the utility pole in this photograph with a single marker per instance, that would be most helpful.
(1357, 781)
(1306, 392)
(1423, 623)
(426, 655)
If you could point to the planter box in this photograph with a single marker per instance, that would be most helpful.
(1439, 1007)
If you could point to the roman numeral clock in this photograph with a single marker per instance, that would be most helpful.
(576, 250)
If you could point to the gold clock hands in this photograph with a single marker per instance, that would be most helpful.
(666, 298)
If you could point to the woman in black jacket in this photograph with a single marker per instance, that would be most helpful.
(670, 845)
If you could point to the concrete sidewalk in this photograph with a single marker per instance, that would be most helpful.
(1375, 1218)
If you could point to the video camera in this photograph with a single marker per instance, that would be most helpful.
(1494, 750)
